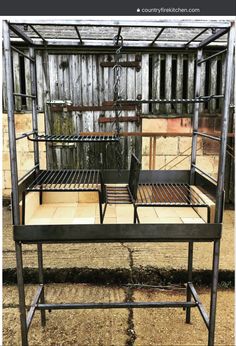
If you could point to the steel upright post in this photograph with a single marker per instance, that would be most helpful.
(20, 284)
(190, 277)
(41, 281)
(220, 184)
(11, 124)
(224, 126)
(192, 172)
(14, 178)
(195, 117)
(34, 103)
(215, 269)
(36, 162)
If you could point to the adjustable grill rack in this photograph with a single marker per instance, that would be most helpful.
(73, 138)
(66, 180)
(169, 195)
(169, 188)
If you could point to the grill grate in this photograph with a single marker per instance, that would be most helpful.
(168, 195)
(73, 138)
(118, 195)
(67, 180)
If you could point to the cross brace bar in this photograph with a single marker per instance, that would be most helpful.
(199, 304)
(116, 305)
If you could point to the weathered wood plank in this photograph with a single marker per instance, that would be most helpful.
(27, 82)
(156, 78)
(203, 84)
(223, 70)
(16, 79)
(190, 92)
(40, 81)
(168, 81)
(212, 87)
(179, 82)
(145, 81)
(53, 77)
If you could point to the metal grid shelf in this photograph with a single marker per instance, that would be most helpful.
(73, 138)
(168, 195)
(118, 195)
(66, 180)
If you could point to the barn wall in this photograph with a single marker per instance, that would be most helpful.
(80, 79)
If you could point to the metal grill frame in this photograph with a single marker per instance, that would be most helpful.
(118, 233)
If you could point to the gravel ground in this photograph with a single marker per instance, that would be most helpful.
(123, 327)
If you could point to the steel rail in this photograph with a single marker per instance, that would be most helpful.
(78, 33)
(37, 33)
(22, 53)
(194, 38)
(115, 305)
(157, 36)
(207, 175)
(206, 135)
(211, 56)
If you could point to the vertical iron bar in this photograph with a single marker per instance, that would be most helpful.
(23, 207)
(195, 117)
(216, 254)
(190, 277)
(21, 292)
(11, 124)
(41, 281)
(224, 126)
(34, 104)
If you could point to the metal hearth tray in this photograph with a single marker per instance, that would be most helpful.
(153, 194)
(66, 180)
(73, 138)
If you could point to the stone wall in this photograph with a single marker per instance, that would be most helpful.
(175, 152)
(25, 153)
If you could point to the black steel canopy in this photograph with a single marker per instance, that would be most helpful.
(101, 33)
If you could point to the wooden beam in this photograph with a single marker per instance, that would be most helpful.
(127, 23)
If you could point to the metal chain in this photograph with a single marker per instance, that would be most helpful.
(118, 41)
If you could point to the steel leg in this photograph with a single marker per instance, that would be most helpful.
(100, 206)
(104, 212)
(208, 214)
(135, 214)
(190, 277)
(23, 207)
(41, 281)
(21, 291)
(41, 197)
(216, 254)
